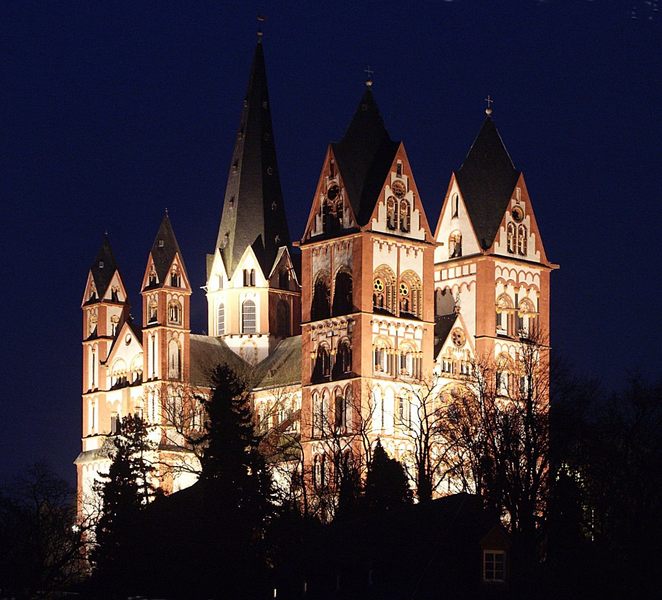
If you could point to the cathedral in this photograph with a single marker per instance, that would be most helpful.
(338, 329)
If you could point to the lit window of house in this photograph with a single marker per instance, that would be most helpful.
(494, 566)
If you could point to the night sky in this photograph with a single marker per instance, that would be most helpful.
(113, 112)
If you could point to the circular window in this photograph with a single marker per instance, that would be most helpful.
(399, 189)
(127, 339)
(457, 335)
(333, 192)
(379, 285)
(518, 214)
(404, 289)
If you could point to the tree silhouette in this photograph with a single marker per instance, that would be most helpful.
(386, 485)
(124, 492)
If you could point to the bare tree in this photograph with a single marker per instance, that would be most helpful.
(498, 430)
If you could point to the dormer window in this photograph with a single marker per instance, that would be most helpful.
(101, 264)
(398, 169)
(161, 243)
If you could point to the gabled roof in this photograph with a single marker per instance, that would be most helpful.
(487, 179)
(164, 249)
(442, 327)
(253, 211)
(282, 367)
(364, 157)
(206, 354)
(103, 268)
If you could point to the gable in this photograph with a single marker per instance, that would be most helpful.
(518, 235)
(398, 209)
(453, 219)
(331, 211)
(126, 347)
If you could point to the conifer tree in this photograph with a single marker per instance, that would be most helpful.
(124, 491)
(386, 485)
(236, 484)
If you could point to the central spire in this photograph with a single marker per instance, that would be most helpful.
(253, 211)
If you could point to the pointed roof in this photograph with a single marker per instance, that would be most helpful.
(103, 268)
(164, 249)
(253, 211)
(364, 156)
(487, 179)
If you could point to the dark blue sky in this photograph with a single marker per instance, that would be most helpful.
(112, 112)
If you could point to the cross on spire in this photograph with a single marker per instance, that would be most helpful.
(369, 72)
(260, 19)
(490, 101)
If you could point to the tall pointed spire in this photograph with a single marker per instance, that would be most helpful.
(253, 211)
(164, 249)
(487, 179)
(364, 156)
(103, 268)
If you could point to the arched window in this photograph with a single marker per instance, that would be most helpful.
(175, 312)
(342, 293)
(383, 290)
(321, 304)
(220, 319)
(407, 360)
(521, 240)
(455, 245)
(332, 209)
(410, 295)
(152, 279)
(343, 364)
(405, 216)
(174, 360)
(349, 414)
(340, 416)
(319, 415)
(137, 369)
(322, 368)
(504, 307)
(249, 277)
(391, 213)
(248, 323)
(175, 279)
(119, 374)
(153, 311)
(511, 237)
(382, 357)
(403, 414)
(282, 318)
(526, 318)
(316, 472)
(502, 376)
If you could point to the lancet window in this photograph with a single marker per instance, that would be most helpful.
(521, 240)
(220, 319)
(343, 364)
(391, 213)
(511, 237)
(174, 360)
(405, 216)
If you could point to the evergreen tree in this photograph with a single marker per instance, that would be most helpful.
(236, 486)
(124, 491)
(386, 485)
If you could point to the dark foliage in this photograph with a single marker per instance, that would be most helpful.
(386, 486)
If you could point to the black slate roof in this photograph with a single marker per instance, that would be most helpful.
(253, 211)
(103, 268)
(206, 354)
(442, 327)
(364, 157)
(282, 367)
(487, 178)
(164, 249)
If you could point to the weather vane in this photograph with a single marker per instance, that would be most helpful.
(488, 110)
(369, 72)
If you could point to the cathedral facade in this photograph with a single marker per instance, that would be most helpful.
(340, 329)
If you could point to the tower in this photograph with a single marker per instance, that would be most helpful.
(166, 339)
(105, 309)
(253, 293)
(492, 275)
(367, 316)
